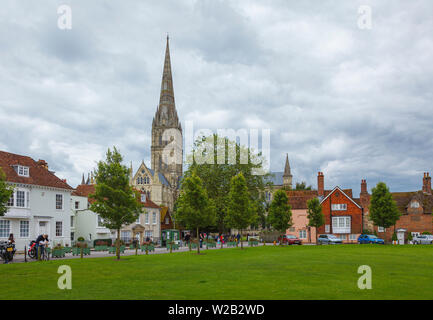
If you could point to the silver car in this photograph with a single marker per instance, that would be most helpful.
(328, 239)
(423, 239)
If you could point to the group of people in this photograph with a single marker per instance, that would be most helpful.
(221, 238)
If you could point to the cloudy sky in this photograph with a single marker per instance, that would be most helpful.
(354, 103)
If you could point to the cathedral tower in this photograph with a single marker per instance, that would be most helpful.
(167, 144)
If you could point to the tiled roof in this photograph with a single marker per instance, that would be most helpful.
(149, 203)
(164, 211)
(38, 174)
(298, 198)
(404, 198)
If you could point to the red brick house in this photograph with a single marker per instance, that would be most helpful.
(416, 210)
(343, 213)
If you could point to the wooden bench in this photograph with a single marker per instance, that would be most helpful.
(101, 248)
(253, 243)
(173, 246)
(231, 244)
(211, 244)
(113, 249)
(57, 253)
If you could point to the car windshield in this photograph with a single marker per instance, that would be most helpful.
(373, 237)
(290, 237)
(332, 237)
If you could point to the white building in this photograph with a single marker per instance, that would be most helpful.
(85, 223)
(40, 203)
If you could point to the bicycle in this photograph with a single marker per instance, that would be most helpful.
(45, 254)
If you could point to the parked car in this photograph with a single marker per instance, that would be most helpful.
(289, 239)
(423, 239)
(369, 238)
(328, 239)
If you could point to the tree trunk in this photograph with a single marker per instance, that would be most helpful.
(118, 244)
(198, 242)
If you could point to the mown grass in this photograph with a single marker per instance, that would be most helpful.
(296, 272)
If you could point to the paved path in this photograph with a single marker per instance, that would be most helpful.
(18, 258)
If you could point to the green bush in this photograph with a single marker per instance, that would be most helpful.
(409, 236)
(394, 236)
(80, 239)
(426, 232)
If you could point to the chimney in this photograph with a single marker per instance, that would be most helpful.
(364, 186)
(42, 163)
(426, 183)
(320, 184)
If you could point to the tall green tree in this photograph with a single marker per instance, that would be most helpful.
(315, 215)
(116, 202)
(6, 192)
(280, 213)
(241, 211)
(383, 209)
(216, 160)
(194, 210)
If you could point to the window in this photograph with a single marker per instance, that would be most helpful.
(5, 227)
(291, 229)
(59, 201)
(341, 224)
(11, 201)
(22, 171)
(414, 204)
(59, 229)
(148, 233)
(353, 237)
(154, 218)
(146, 218)
(125, 236)
(21, 199)
(339, 207)
(381, 229)
(72, 221)
(167, 220)
(342, 236)
(77, 204)
(100, 222)
(24, 229)
(143, 198)
(327, 228)
(303, 234)
(138, 219)
(72, 236)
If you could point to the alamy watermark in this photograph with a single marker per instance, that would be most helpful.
(65, 280)
(365, 20)
(252, 149)
(364, 281)
(64, 21)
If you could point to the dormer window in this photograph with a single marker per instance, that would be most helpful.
(414, 204)
(22, 170)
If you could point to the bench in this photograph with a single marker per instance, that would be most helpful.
(253, 243)
(113, 249)
(101, 248)
(211, 244)
(57, 253)
(231, 244)
(173, 246)
(149, 247)
(77, 251)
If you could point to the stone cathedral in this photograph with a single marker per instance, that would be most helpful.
(160, 183)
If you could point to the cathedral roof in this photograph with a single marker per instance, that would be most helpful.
(161, 177)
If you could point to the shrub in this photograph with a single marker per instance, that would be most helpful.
(394, 236)
(409, 236)
(426, 232)
(80, 239)
(102, 242)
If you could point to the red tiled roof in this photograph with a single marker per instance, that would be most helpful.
(38, 173)
(298, 198)
(149, 203)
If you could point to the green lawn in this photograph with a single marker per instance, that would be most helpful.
(296, 272)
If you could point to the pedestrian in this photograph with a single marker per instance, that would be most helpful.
(201, 240)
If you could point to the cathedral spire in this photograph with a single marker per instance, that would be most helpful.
(287, 176)
(82, 180)
(166, 114)
(287, 167)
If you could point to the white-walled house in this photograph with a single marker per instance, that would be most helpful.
(84, 222)
(40, 202)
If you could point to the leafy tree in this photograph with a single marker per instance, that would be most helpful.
(315, 215)
(383, 209)
(216, 160)
(194, 209)
(241, 211)
(280, 213)
(116, 202)
(6, 192)
(302, 186)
